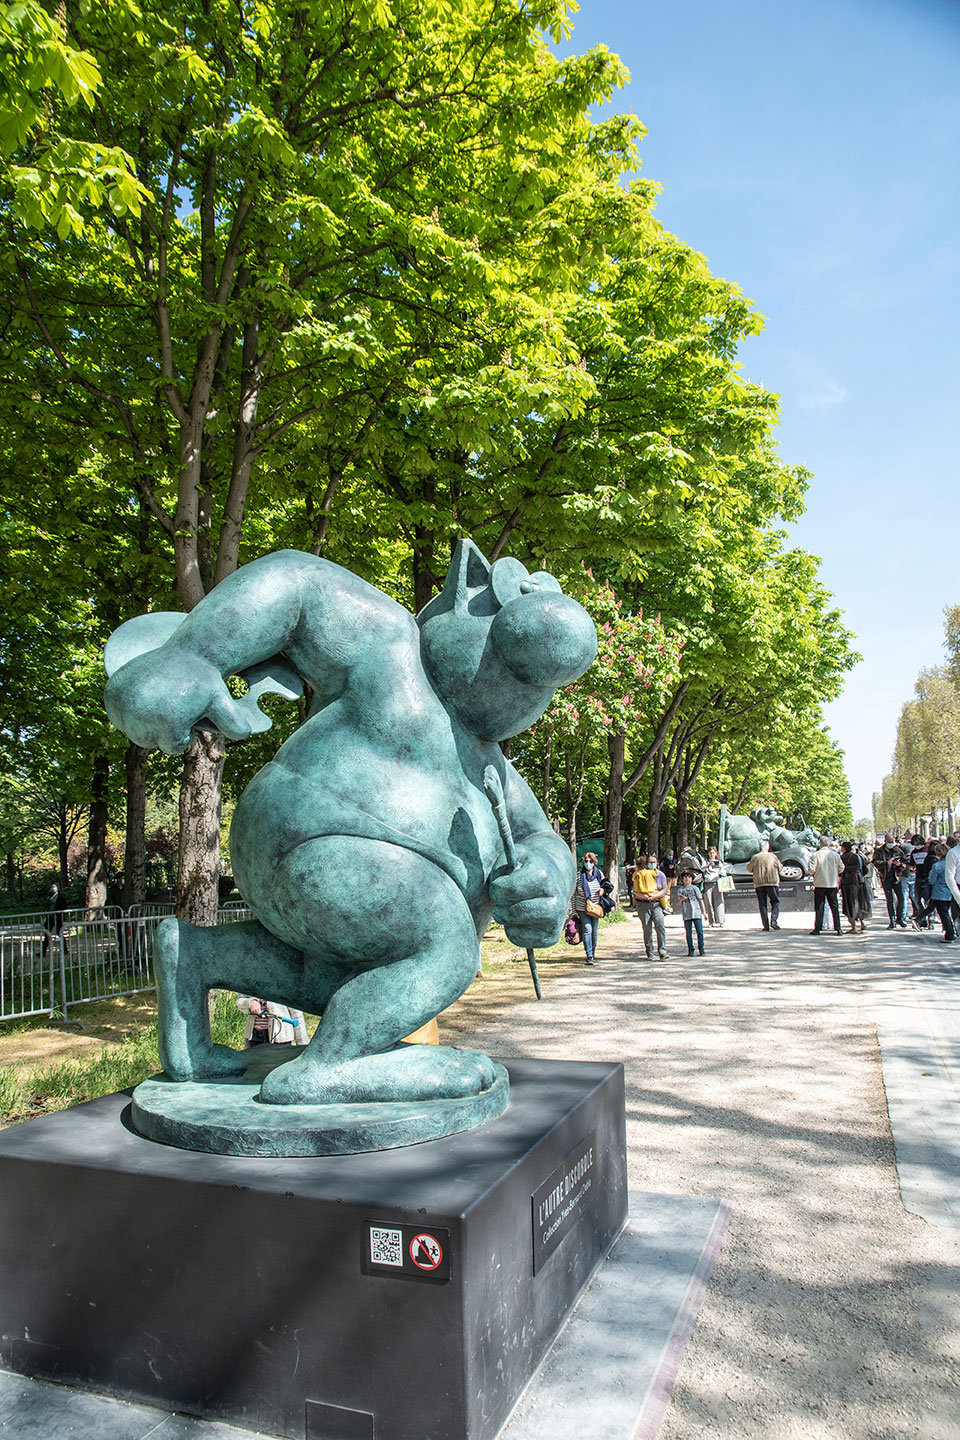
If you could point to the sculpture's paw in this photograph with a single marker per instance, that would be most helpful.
(410, 1072)
(212, 1062)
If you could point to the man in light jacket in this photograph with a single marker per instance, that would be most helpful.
(951, 872)
(765, 868)
(826, 877)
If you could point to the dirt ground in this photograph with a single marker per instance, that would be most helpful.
(90, 1027)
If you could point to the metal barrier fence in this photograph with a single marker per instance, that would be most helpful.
(42, 972)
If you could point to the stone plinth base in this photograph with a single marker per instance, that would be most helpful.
(406, 1294)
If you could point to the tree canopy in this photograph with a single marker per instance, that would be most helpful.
(363, 277)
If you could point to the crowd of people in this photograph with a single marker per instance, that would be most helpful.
(923, 874)
(848, 878)
(656, 887)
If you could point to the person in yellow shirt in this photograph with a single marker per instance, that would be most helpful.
(649, 890)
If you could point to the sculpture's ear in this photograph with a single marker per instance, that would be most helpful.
(468, 573)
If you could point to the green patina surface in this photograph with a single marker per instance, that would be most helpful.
(226, 1117)
(382, 789)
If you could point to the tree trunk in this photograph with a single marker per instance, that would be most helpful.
(693, 758)
(572, 807)
(425, 581)
(658, 794)
(545, 781)
(11, 864)
(96, 896)
(616, 749)
(134, 855)
(63, 840)
(630, 833)
(683, 820)
(198, 871)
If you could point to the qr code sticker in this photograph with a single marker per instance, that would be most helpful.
(386, 1247)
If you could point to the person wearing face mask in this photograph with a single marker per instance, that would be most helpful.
(892, 865)
(590, 881)
(649, 889)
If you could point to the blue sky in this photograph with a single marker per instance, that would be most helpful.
(812, 153)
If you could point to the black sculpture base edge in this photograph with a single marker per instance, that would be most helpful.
(266, 1292)
(795, 895)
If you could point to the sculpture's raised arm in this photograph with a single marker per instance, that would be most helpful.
(168, 672)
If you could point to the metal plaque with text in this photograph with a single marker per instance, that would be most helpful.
(562, 1198)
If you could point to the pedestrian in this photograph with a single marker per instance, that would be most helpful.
(669, 867)
(853, 887)
(690, 898)
(924, 864)
(765, 869)
(892, 865)
(918, 854)
(826, 877)
(666, 903)
(713, 873)
(53, 919)
(586, 902)
(271, 1024)
(940, 892)
(951, 869)
(649, 888)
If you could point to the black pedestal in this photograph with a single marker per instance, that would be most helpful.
(399, 1295)
(794, 895)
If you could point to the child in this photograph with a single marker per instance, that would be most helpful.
(692, 900)
(666, 902)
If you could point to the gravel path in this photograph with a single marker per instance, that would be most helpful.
(753, 1074)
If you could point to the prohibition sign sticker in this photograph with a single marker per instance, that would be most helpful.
(425, 1252)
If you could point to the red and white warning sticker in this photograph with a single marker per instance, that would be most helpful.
(426, 1252)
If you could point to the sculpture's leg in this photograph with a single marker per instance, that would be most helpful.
(404, 957)
(190, 961)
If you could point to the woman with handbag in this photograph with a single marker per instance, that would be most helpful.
(586, 903)
(714, 874)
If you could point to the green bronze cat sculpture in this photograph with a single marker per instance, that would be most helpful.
(367, 848)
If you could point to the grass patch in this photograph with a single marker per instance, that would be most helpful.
(226, 1021)
(28, 1091)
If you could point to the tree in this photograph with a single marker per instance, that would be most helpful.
(586, 727)
(47, 177)
(768, 647)
(302, 171)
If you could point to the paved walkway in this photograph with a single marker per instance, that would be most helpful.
(755, 1075)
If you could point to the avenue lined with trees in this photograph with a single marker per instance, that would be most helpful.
(361, 278)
